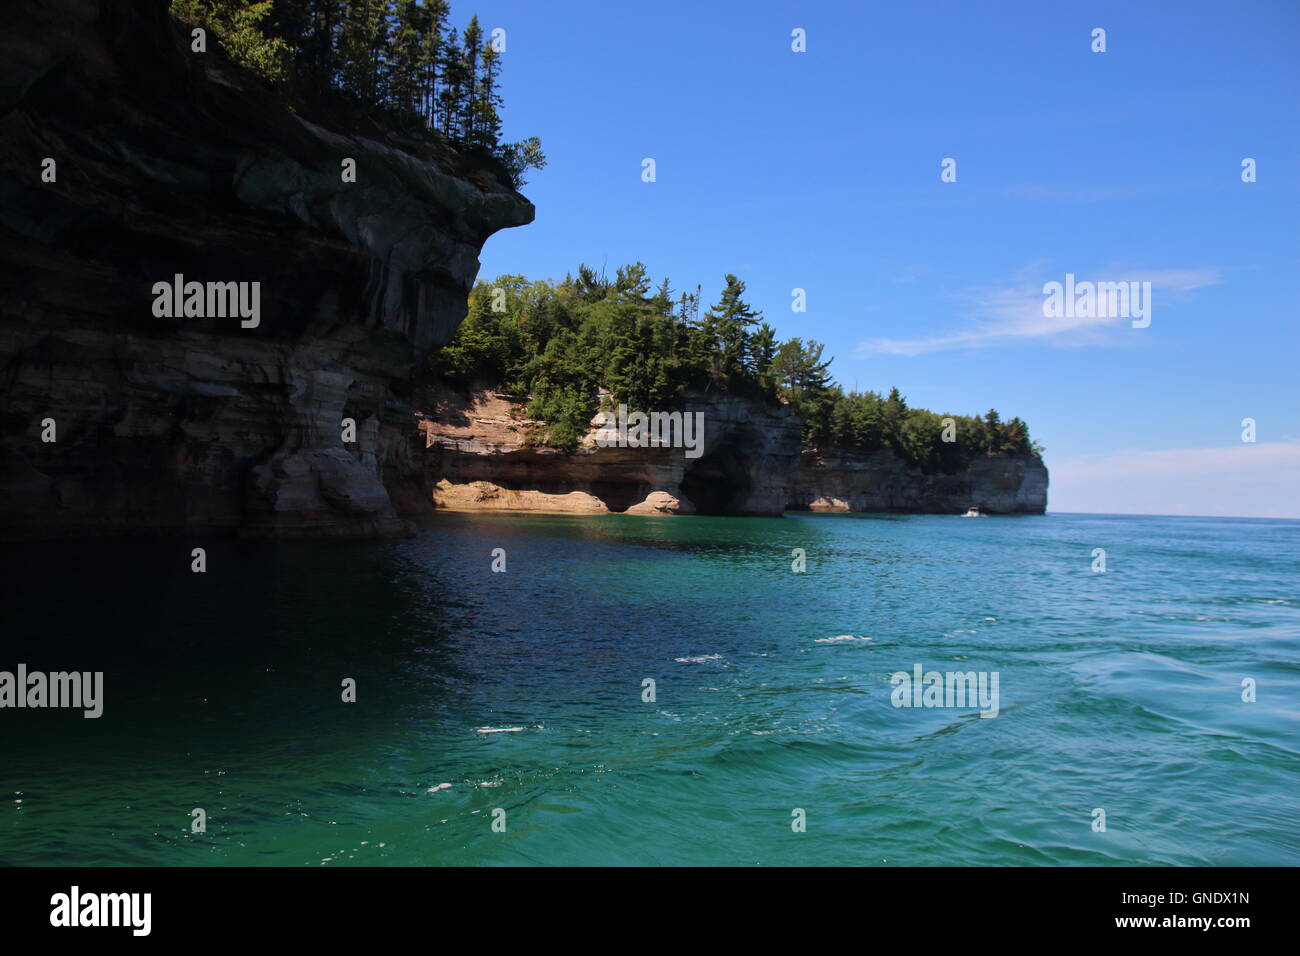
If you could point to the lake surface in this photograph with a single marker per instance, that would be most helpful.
(1119, 691)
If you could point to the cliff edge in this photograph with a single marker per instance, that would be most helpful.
(844, 480)
(129, 160)
(480, 457)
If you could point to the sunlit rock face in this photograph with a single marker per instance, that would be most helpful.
(169, 162)
(480, 457)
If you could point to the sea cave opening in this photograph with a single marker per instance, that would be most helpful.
(718, 483)
(618, 496)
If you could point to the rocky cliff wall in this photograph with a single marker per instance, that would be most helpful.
(172, 162)
(879, 481)
(479, 458)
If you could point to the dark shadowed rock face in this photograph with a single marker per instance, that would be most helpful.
(839, 480)
(176, 162)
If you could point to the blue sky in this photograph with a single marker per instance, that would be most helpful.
(821, 170)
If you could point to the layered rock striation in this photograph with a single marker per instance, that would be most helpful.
(480, 457)
(839, 480)
(126, 160)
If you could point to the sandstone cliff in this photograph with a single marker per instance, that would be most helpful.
(479, 458)
(169, 161)
(879, 481)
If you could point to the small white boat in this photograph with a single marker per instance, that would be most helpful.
(972, 512)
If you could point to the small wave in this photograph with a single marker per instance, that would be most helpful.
(842, 639)
(499, 730)
(698, 660)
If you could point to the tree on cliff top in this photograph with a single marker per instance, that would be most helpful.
(803, 380)
(395, 59)
(724, 332)
(241, 31)
(561, 343)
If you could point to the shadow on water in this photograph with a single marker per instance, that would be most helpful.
(267, 622)
(223, 690)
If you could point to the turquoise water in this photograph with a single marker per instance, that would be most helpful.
(1118, 690)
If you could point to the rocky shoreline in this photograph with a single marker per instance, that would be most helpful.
(479, 457)
(131, 162)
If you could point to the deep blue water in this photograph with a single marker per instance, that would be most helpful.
(1119, 691)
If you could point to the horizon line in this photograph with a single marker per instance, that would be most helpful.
(1143, 514)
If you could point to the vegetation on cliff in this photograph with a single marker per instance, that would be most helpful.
(560, 343)
(396, 61)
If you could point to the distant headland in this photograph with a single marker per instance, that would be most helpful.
(324, 381)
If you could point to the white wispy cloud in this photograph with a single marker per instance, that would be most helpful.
(1243, 479)
(1241, 460)
(1013, 313)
